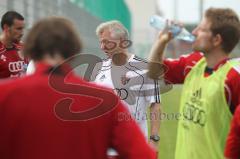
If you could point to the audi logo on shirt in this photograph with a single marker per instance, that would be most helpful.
(194, 114)
(121, 92)
(16, 66)
(193, 110)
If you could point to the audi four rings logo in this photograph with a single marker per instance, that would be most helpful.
(15, 66)
(122, 93)
(194, 114)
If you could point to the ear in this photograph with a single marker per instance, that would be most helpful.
(6, 27)
(217, 40)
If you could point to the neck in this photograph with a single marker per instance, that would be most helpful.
(53, 60)
(6, 41)
(214, 57)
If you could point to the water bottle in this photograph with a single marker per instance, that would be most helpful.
(177, 31)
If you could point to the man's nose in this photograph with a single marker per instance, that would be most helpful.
(194, 32)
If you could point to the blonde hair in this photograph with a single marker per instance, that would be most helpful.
(225, 22)
(116, 29)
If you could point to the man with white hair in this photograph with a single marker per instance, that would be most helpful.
(125, 73)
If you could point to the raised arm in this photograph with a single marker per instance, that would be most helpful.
(156, 55)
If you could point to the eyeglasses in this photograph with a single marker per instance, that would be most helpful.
(110, 44)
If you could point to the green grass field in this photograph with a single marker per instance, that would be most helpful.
(168, 129)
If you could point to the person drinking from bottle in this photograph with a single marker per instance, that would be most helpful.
(211, 87)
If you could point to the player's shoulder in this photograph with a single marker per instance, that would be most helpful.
(136, 58)
(233, 76)
(9, 86)
(137, 63)
(192, 57)
(238, 111)
(187, 59)
(237, 115)
(105, 62)
(104, 65)
(2, 48)
(195, 54)
(18, 45)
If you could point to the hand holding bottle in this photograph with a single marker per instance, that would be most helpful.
(176, 29)
(165, 36)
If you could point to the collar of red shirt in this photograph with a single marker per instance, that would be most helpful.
(209, 71)
(61, 69)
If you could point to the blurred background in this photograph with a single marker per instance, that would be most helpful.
(135, 15)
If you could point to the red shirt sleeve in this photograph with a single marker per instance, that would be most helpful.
(177, 69)
(232, 88)
(128, 139)
(232, 149)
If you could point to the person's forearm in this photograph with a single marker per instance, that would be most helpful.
(155, 67)
(155, 126)
(155, 112)
(156, 53)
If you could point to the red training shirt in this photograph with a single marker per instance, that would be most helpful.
(11, 64)
(47, 116)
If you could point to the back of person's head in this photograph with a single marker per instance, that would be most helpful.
(116, 29)
(52, 36)
(225, 22)
(9, 17)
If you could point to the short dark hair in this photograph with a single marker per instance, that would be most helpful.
(51, 36)
(225, 22)
(9, 17)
